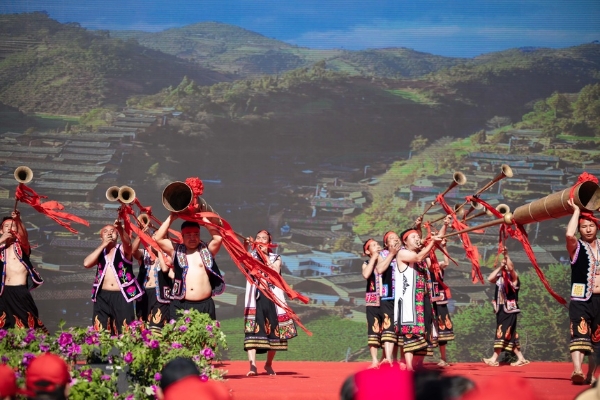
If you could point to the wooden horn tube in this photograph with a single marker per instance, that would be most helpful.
(507, 219)
(177, 196)
(586, 196)
(505, 172)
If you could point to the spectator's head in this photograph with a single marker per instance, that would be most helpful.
(209, 390)
(176, 370)
(47, 378)
(495, 388)
(590, 394)
(374, 384)
(8, 382)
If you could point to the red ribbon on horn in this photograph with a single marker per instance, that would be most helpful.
(470, 250)
(254, 270)
(52, 209)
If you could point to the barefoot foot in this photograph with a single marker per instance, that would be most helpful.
(269, 370)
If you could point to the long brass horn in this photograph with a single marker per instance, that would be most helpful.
(458, 178)
(506, 219)
(23, 174)
(505, 172)
(177, 196)
(458, 211)
(112, 193)
(586, 196)
(501, 208)
(126, 195)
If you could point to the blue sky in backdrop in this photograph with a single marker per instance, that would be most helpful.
(458, 28)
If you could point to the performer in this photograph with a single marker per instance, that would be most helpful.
(379, 324)
(506, 307)
(267, 327)
(19, 276)
(440, 305)
(196, 276)
(153, 276)
(584, 308)
(413, 313)
(115, 287)
(385, 267)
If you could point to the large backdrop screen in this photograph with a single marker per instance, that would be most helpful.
(325, 123)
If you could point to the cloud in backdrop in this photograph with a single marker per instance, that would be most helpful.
(458, 28)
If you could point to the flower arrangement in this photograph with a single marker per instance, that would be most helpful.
(138, 353)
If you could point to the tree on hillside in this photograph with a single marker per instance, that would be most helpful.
(480, 137)
(498, 122)
(587, 106)
(559, 103)
(418, 143)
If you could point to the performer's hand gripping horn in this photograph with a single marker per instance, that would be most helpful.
(586, 196)
(458, 178)
(22, 174)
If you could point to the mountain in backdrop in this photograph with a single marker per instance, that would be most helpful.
(46, 66)
(231, 49)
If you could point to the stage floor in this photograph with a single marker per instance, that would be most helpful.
(322, 380)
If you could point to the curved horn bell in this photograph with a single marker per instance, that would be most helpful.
(143, 219)
(505, 172)
(23, 174)
(112, 193)
(458, 178)
(126, 195)
(177, 196)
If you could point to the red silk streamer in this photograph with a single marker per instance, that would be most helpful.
(125, 211)
(470, 250)
(49, 208)
(148, 210)
(519, 234)
(254, 270)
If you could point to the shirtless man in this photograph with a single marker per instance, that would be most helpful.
(154, 277)
(115, 287)
(584, 308)
(17, 308)
(196, 277)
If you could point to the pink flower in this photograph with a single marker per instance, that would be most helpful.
(208, 353)
(65, 339)
(128, 357)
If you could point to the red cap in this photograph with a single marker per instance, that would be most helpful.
(8, 381)
(209, 390)
(375, 384)
(47, 367)
(500, 387)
